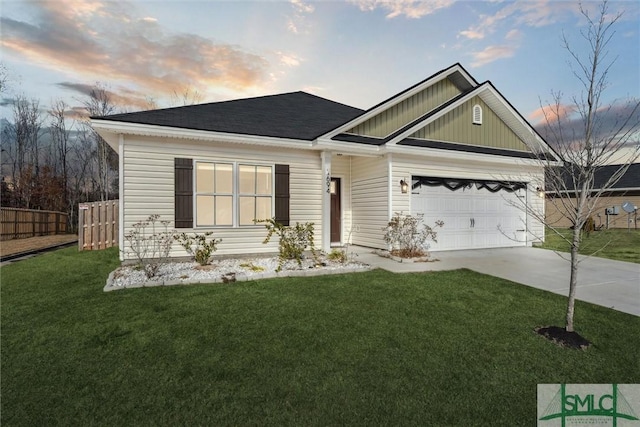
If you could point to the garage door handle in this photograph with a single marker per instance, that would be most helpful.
(522, 230)
(473, 222)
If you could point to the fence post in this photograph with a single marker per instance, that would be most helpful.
(15, 224)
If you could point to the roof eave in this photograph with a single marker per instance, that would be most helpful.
(106, 127)
(461, 156)
(345, 147)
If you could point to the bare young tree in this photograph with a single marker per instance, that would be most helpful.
(587, 135)
(60, 132)
(4, 78)
(79, 182)
(186, 96)
(99, 104)
(21, 145)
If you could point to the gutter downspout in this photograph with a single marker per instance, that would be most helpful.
(121, 195)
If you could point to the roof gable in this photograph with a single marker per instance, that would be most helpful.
(456, 74)
(296, 115)
(404, 112)
(457, 126)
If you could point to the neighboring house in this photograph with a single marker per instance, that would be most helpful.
(460, 145)
(627, 189)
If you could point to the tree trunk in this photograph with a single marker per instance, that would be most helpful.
(573, 280)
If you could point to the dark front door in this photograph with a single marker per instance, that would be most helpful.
(336, 214)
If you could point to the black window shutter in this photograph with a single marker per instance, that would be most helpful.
(282, 194)
(184, 193)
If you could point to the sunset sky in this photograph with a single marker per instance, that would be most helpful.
(358, 52)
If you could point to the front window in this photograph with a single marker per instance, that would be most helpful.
(218, 203)
(255, 193)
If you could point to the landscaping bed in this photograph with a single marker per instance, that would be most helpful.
(228, 270)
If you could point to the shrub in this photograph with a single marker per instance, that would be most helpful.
(198, 247)
(589, 225)
(338, 255)
(150, 247)
(293, 240)
(405, 236)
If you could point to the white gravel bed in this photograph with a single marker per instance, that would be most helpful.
(225, 271)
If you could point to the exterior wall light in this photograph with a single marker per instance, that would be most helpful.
(540, 191)
(404, 187)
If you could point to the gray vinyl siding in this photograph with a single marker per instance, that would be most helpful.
(408, 110)
(456, 126)
(149, 187)
(369, 200)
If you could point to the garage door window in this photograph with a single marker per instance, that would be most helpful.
(457, 184)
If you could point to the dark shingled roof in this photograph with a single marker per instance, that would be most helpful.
(631, 178)
(295, 115)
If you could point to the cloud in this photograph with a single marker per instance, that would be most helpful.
(472, 34)
(409, 8)
(289, 59)
(492, 53)
(121, 96)
(551, 113)
(513, 35)
(105, 40)
(621, 118)
(531, 13)
(297, 23)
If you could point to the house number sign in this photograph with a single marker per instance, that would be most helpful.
(328, 181)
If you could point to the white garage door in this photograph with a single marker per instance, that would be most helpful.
(474, 218)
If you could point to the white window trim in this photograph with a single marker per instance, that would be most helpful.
(235, 171)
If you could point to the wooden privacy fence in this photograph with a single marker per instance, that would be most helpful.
(97, 225)
(23, 223)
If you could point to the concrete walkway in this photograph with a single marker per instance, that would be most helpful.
(613, 284)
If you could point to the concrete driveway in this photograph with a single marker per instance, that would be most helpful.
(613, 284)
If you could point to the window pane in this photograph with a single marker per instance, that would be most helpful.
(247, 210)
(263, 180)
(263, 208)
(224, 210)
(224, 178)
(204, 210)
(204, 177)
(247, 179)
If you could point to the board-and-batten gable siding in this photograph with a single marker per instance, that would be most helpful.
(404, 166)
(341, 168)
(405, 112)
(149, 186)
(369, 200)
(457, 126)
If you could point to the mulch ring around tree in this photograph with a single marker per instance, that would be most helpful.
(563, 338)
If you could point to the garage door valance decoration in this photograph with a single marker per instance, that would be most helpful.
(454, 184)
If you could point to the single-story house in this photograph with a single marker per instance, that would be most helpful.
(609, 211)
(448, 147)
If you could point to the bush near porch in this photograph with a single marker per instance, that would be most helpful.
(375, 348)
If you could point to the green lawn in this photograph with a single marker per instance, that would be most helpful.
(448, 348)
(617, 244)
